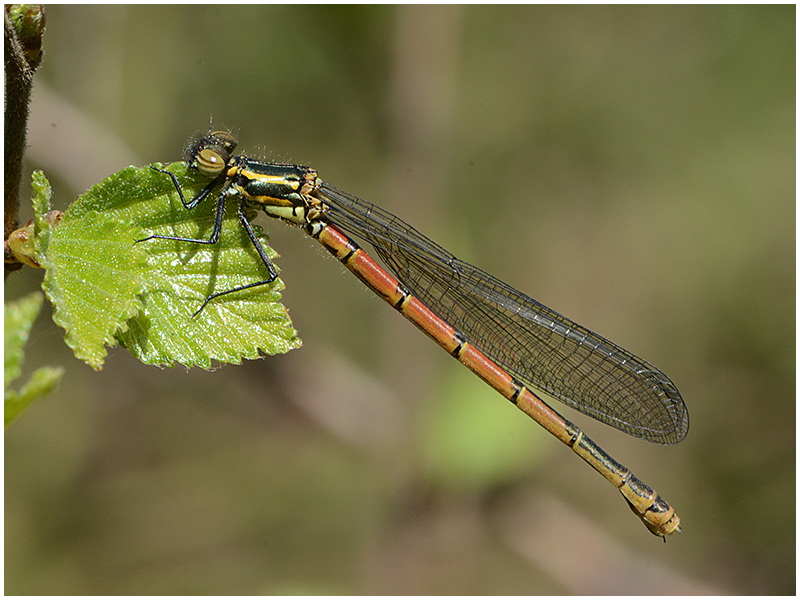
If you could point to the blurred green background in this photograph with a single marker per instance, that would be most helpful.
(630, 167)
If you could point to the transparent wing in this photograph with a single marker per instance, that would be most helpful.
(541, 348)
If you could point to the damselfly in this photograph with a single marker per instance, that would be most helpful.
(512, 342)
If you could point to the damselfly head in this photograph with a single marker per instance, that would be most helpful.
(211, 153)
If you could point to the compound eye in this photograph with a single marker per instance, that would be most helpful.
(210, 162)
(223, 140)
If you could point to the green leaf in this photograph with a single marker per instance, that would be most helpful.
(19, 318)
(24, 243)
(93, 272)
(93, 278)
(43, 223)
(41, 383)
(144, 294)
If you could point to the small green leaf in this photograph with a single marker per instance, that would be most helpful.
(155, 286)
(42, 193)
(41, 383)
(19, 318)
(24, 243)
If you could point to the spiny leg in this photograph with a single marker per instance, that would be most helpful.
(273, 274)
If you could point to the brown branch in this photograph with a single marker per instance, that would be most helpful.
(23, 30)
